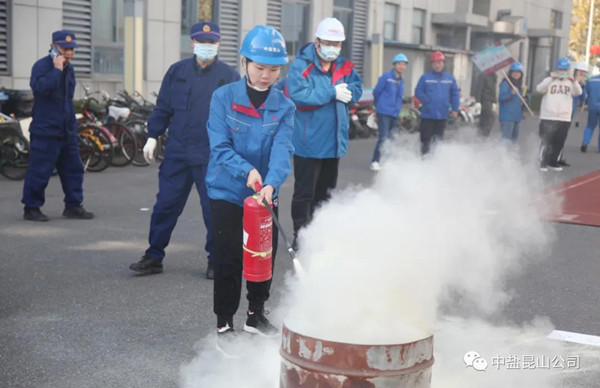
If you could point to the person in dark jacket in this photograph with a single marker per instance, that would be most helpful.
(486, 94)
(183, 106)
(438, 93)
(53, 132)
(388, 103)
(322, 84)
(511, 106)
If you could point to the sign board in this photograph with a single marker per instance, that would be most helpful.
(492, 59)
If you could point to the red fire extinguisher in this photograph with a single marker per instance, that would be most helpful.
(258, 240)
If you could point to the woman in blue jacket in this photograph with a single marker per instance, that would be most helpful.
(511, 106)
(250, 133)
(388, 103)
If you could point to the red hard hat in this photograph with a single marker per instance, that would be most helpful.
(437, 56)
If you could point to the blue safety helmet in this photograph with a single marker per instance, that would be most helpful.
(264, 44)
(399, 58)
(516, 66)
(563, 63)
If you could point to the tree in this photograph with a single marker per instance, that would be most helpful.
(579, 27)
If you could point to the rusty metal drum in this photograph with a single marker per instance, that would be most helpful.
(318, 363)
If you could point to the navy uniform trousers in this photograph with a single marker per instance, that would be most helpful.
(175, 180)
(46, 153)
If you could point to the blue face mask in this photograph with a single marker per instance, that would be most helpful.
(206, 51)
(329, 53)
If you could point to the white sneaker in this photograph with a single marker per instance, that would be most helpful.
(375, 166)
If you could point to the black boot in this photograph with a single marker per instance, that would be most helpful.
(34, 214)
(78, 213)
(147, 266)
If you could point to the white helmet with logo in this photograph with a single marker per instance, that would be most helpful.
(582, 66)
(331, 29)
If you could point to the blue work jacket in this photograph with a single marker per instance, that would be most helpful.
(511, 107)
(438, 92)
(243, 138)
(592, 89)
(322, 122)
(53, 90)
(388, 94)
(183, 105)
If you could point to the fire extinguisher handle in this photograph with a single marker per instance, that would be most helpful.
(257, 187)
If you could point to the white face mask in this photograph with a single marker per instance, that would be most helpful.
(329, 53)
(206, 51)
(256, 87)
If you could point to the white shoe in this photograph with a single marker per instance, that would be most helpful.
(375, 166)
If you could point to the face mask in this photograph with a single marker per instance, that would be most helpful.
(562, 74)
(256, 87)
(205, 51)
(329, 53)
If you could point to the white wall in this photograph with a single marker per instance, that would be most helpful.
(162, 41)
(31, 39)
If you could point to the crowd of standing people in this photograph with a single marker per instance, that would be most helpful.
(256, 132)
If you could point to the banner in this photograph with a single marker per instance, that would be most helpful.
(492, 59)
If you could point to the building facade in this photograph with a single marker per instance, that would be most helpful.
(131, 43)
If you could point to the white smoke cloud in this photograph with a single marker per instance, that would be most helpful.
(429, 236)
(453, 225)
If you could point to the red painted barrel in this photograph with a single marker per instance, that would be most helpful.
(317, 363)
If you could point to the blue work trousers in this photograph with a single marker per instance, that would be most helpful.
(45, 154)
(387, 128)
(175, 180)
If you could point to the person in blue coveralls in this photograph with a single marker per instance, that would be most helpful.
(322, 84)
(53, 132)
(183, 106)
(580, 75)
(388, 102)
(511, 106)
(250, 130)
(592, 89)
(439, 93)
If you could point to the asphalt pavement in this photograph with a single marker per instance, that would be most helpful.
(72, 315)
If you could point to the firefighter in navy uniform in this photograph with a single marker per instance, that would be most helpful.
(53, 132)
(182, 106)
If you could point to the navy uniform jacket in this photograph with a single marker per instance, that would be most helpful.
(183, 104)
(53, 90)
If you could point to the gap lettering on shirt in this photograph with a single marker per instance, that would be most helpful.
(560, 89)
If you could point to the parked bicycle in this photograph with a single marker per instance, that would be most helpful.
(14, 149)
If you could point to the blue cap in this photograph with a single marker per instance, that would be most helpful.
(205, 30)
(516, 66)
(563, 63)
(399, 58)
(64, 38)
(264, 44)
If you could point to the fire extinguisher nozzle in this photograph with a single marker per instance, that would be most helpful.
(292, 252)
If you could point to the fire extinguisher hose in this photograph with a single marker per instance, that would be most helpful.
(291, 251)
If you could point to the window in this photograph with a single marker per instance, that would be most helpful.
(556, 20)
(418, 26)
(342, 10)
(189, 17)
(107, 36)
(390, 21)
(4, 36)
(481, 7)
(294, 19)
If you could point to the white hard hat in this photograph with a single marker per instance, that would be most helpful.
(581, 66)
(331, 29)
